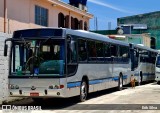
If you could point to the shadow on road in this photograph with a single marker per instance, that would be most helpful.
(56, 103)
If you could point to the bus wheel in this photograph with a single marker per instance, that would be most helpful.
(140, 79)
(158, 82)
(83, 91)
(120, 82)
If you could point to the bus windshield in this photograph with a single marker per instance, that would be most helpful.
(158, 61)
(44, 57)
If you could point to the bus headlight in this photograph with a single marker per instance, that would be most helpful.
(56, 86)
(51, 87)
(16, 87)
(12, 86)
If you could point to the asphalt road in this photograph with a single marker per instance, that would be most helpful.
(141, 99)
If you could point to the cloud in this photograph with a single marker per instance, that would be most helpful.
(109, 6)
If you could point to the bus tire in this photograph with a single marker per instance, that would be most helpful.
(158, 82)
(120, 82)
(140, 79)
(83, 91)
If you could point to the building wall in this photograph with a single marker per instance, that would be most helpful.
(151, 19)
(21, 14)
(4, 70)
(139, 39)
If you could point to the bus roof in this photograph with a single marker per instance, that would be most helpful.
(80, 33)
(94, 36)
(146, 48)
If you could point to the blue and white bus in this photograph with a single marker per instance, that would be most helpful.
(143, 64)
(61, 63)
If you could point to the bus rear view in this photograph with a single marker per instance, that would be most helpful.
(157, 69)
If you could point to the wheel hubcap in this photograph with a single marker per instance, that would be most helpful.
(140, 80)
(83, 91)
(121, 82)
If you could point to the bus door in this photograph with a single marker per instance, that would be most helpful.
(71, 55)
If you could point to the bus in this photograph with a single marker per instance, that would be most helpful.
(62, 63)
(143, 66)
(157, 69)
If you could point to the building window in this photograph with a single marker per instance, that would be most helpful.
(67, 23)
(41, 16)
(85, 26)
(76, 23)
(61, 20)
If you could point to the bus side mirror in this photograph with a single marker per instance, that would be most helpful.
(5, 49)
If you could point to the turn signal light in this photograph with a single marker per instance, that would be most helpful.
(61, 86)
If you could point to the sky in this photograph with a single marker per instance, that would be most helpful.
(107, 11)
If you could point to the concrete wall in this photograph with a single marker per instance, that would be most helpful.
(3, 70)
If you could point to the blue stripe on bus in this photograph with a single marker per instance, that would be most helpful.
(74, 84)
(116, 78)
(95, 82)
(91, 82)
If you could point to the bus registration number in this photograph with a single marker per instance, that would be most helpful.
(34, 94)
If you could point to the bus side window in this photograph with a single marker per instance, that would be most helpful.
(92, 51)
(114, 50)
(107, 53)
(107, 50)
(123, 51)
(100, 51)
(82, 50)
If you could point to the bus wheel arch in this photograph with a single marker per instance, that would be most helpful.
(84, 88)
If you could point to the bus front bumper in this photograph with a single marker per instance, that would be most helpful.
(157, 78)
(55, 93)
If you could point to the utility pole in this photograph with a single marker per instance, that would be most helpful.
(5, 16)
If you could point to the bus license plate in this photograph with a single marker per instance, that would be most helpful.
(34, 94)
